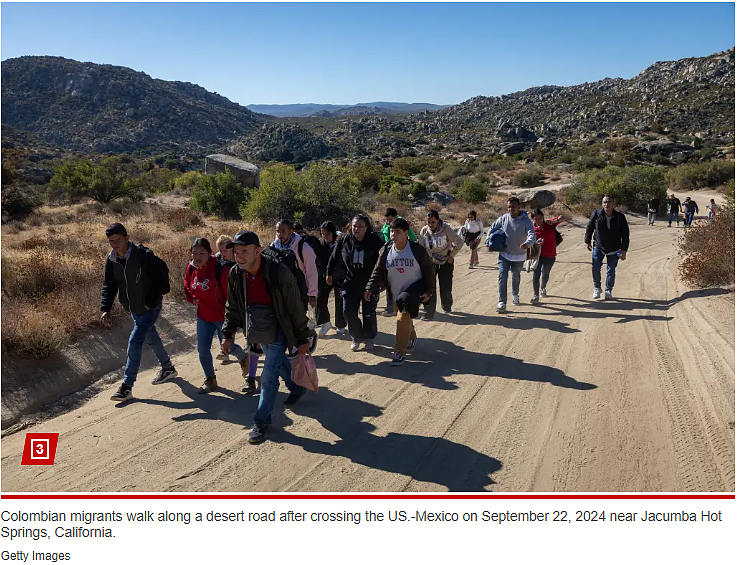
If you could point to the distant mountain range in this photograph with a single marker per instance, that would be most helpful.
(324, 110)
(87, 107)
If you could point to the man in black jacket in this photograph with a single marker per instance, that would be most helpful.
(266, 291)
(135, 274)
(405, 269)
(675, 208)
(611, 240)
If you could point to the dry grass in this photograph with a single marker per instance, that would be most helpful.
(709, 253)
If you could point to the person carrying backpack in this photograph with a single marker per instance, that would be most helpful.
(205, 286)
(140, 279)
(359, 251)
(264, 299)
(306, 259)
(548, 238)
(611, 240)
(405, 268)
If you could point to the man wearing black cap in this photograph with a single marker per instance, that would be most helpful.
(263, 298)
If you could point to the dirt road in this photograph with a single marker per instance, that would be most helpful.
(636, 394)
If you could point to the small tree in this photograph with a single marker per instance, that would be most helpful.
(104, 182)
(473, 190)
(219, 194)
(277, 196)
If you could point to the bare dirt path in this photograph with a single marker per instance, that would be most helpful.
(637, 394)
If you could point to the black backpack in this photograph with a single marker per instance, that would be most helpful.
(559, 237)
(313, 242)
(288, 258)
(218, 272)
(164, 286)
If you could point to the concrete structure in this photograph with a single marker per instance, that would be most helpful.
(246, 173)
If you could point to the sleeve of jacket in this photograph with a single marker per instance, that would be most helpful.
(156, 275)
(590, 228)
(312, 270)
(187, 282)
(456, 240)
(293, 303)
(428, 271)
(531, 234)
(336, 253)
(109, 288)
(624, 233)
(234, 319)
(379, 273)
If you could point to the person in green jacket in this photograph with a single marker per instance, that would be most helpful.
(390, 215)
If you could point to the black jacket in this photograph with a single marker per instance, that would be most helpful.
(674, 205)
(379, 279)
(691, 207)
(137, 281)
(614, 238)
(286, 300)
(359, 259)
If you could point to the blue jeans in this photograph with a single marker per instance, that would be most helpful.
(205, 333)
(688, 219)
(144, 331)
(503, 267)
(276, 364)
(673, 216)
(545, 264)
(363, 329)
(598, 256)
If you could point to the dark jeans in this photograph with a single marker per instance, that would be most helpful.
(673, 216)
(545, 264)
(276, 365)
(445, 274)
(363, 329)
(323, 314)
(598, 256)
(688, 219)
(144, 331)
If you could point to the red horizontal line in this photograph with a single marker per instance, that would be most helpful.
(369, 497)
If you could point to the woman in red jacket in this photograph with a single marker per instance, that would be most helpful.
(206, 286)
(546, 237)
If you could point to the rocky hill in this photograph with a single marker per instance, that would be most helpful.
(102, 108)
(325, 110)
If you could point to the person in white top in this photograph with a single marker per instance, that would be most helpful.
(473, 230)
(711, 209)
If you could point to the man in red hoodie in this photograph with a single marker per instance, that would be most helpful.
(546, 238)
(206, 286)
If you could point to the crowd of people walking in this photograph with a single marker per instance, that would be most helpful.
(278, 295)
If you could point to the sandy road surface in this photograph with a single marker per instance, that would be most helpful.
(636, 394)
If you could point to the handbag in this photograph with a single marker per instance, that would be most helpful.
(261, 321)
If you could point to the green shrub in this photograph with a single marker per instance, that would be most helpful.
(527, 178)
(369, 175)
(691, 176)
(219, 194)
(18, 202)
(102, 182)
(473, 190)
(187, 181)
(631, 186)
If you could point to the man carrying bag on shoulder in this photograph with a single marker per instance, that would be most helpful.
(263, 298)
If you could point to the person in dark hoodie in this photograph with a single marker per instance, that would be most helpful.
(264, 298)
(139, 279)
(329, 237)
(611, 240)
(359, 251)
(404, 268)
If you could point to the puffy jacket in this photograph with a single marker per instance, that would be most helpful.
(614, 238)
(286, 300)
(359, 258)
(137, 281)
(442, 243)
(379, 279)
(309, 267)
(518, 230)
(201, 284)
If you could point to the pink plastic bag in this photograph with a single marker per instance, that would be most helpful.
(305, 373)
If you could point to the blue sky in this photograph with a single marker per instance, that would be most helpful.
(351, 53)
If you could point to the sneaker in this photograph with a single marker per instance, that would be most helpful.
(123, 394)
(471, 265)
(221, 356)
(325, 328)
(368, 345)
(597, 293)
(534, 300)
(397, 360)
(164, 375)
(426, 318)
(341, 331)
(389, 313)
(608, 295)
(210, 384)
(293, 397)
(412, 344)
(501, 307)
(355, 345)
(249, 387)
(476, 263)
(516, 300)
(257, 434)
(543, 293)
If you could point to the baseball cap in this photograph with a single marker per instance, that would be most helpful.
(244, 237)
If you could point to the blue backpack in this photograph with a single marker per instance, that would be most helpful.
(497, 241)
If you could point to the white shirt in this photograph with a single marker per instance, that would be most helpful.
(474, 226)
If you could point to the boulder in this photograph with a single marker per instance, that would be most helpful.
(537, 198)
(512, 148)
(246, 173)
